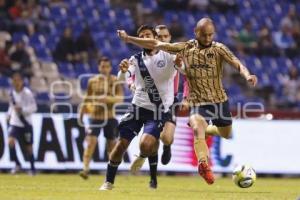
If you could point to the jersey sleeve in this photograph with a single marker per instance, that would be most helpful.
(226, 54)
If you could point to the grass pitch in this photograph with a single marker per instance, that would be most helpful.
(72, 187)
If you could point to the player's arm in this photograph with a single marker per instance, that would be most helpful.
(151, 43)
(118, 94)
(231, 59)
(86, 100)
(9, 111)
(179, 64)
(30, 106)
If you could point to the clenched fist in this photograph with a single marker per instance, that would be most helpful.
(124, 65)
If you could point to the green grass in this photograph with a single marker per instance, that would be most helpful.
(71, 187)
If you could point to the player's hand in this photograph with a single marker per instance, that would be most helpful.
(132, 88)
(252, 80)
(124, 65)
(184, 107)
(123, 35)
(178, 60)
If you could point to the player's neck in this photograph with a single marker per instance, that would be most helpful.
(151, 53)
(202, 46)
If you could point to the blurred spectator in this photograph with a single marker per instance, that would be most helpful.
(198, 4)
(20, 60)
(4, 61)
(3, 9)
(291, 20)
(176, 29)
(284, 40)
(85, 46)
(65, 48)
(223, 5)
(265, 41)
(16, 10)
(247, 39)
(173, 4)
(291, 88)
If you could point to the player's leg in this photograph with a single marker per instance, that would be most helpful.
(91, 141)
(28, 134)
(127, 128)
(199, 125)
(148, 147)
(222, 125)
(167, 138)
(111, 134)
(13, 133)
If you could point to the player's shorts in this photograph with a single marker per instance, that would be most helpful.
(218, 113)
(171, 115)
(137, 117)
(110, 128)
(21, 133)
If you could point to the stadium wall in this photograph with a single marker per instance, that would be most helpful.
(270, 146)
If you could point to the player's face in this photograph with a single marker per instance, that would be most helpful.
(146, 34)
(205, 34)
(164, 35)
(17, 82)
(104, 67)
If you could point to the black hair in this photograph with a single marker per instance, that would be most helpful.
(104, 59)
(146, 27)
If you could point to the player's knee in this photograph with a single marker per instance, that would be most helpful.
(11, 142)
(146, 148)
(118, 151)
(197, 121)
(167, 140)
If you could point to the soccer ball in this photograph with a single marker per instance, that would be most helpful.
(244, 176)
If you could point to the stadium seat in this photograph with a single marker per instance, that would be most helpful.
(4, 82)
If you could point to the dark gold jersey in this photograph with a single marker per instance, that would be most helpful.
(101, 87)
(204, 70)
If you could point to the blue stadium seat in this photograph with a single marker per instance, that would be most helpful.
(42, 97)
(4, 82)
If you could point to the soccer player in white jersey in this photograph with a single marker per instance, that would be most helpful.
(167, 135)
(22, 105)
(154, 81)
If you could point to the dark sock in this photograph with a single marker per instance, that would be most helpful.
(112, 168)
(153, 167)
(167, 147)
(13, 154)
(31, 160)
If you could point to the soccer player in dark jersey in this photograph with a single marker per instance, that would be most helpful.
(103, 93)
(203, 59)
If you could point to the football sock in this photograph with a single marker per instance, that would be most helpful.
(167, 147)
(112, 168)
(201, 149)
(13, 154)
(153, 167)
(31, 160)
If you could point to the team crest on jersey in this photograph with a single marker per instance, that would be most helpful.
(161, 63)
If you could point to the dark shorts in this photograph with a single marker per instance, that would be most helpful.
(171, 115)
(21, 133)
(137, 117)
(218, 113)
(110, 128)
